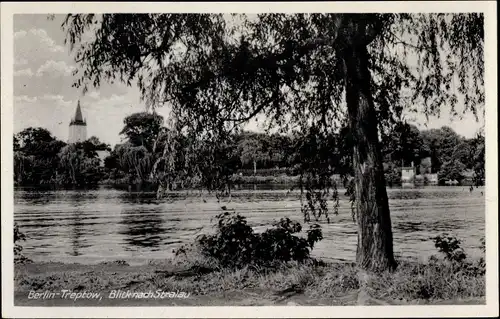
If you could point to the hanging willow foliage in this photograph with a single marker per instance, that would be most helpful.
(302, 72)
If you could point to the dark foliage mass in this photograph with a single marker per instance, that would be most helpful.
(235, 244)
(309, 156)
(149, 154)
(450, 247)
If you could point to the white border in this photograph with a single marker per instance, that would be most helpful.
(491, 190)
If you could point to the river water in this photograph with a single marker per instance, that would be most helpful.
(90, 226)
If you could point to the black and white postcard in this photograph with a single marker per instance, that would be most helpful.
(267, 159)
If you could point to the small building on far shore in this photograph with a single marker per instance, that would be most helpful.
(432, 179)
(408, 176)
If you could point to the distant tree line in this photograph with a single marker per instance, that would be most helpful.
(150, 153)
(440, 151)
(40, 158)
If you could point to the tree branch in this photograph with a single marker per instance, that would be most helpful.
(399, 41)
(259, 108)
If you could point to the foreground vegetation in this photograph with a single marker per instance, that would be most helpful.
(303, 284)
(235, 266)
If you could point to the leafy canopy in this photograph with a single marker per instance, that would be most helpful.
(216, 72)
(219, 70)
(141, 129)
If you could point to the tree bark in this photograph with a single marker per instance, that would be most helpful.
(375, 246)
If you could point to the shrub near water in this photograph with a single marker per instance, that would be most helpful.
(19, 258)
(453, 277)
(236, 245)
(450, 247)
(456, 256)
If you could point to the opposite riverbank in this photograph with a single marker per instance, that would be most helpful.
(311, 284)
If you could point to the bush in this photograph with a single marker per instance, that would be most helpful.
(235, 245)
(233, 242)
(450, 247)
(19, 258)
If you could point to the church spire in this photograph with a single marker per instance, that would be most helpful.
(78, 115)
(77, 127)
(78, 119)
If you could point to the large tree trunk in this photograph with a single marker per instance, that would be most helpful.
(374, 250)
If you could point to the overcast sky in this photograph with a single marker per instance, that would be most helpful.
(43, 96)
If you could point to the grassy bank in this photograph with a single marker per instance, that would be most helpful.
(313, 283)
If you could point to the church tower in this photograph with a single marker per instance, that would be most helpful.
(77, 127)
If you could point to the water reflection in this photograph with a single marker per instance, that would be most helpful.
(408, 194)
(408, 226)
(138, 198)
(143, 228)
(75, 226)
(81, 198)
(76, 229)
(35, 197)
